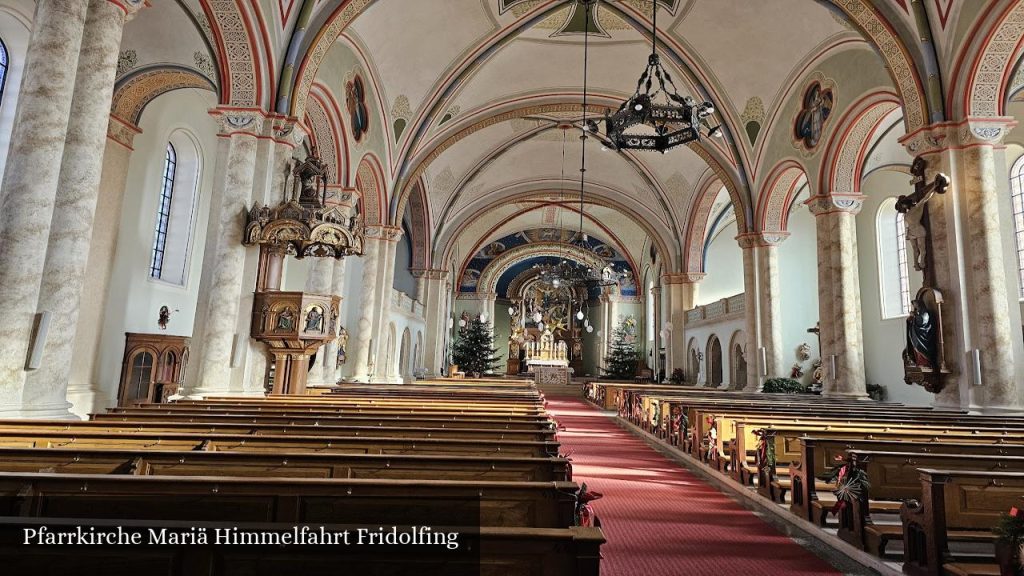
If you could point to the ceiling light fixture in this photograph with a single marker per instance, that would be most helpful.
(656, 117)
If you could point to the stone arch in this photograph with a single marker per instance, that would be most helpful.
(404, 368)
(777, 194)
(700, 214)
(419, 219)
(692, 361)
(389, 353)
(713, 359)
(134, 93)
(986, 77)
(738, 366)
(841, 168)
(370, 185)
(327, 130)
(241, 77)
(488, 282)
(905, 75)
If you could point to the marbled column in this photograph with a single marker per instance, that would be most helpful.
(994, 315)
(319, 281)
(84, 387)
(364, 330)
(30, 181)
(220, 289)
(681, 293)
(752, 317)
(74, 208)
(842, 333)
(388, 251)
(434, 306)
(764, 316)
(655, 307)
(331, 349)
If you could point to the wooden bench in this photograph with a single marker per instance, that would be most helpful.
(289, 464)
(894, 477)
(143, 439)
(289, 500)
(955, 505)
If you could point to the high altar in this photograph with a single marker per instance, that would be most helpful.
(548, 360)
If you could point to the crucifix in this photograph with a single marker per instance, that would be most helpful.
(914, 207)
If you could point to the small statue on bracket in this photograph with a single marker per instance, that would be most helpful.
(164, 318)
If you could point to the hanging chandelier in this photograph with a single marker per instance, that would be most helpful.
(656, 117)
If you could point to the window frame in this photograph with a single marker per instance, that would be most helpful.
(163, 213)
(1016, 185)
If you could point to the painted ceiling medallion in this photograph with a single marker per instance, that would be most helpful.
(816, 109)
(355, 103)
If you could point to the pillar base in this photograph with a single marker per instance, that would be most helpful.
(88, 399)
(58, 411)
(848, 395)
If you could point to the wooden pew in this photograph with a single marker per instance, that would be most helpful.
(818, 454)
(894, 477)
(290, 464)
(290, 500)
(955, 505)
(288, 416)
(142, 439)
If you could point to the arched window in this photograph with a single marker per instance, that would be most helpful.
(1017, 202)
(3, 68)
(893, 266)
(175, 210)
(163, 214)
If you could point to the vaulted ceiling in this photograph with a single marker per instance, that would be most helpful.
(476, 104)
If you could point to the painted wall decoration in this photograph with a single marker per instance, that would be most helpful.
(355, 103)
(488, 252)
(817, 107)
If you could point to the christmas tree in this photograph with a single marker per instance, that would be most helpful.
(622, 357)
(474, 351)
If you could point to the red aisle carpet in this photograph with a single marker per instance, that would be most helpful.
(659, 518)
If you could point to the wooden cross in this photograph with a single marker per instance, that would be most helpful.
(914, 207)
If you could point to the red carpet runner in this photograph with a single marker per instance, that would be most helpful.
(659, 518)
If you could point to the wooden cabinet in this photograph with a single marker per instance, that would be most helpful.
(153, 368)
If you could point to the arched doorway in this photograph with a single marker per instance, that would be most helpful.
(714, 360)
(737, 362)
(404, 363)
(388, 369)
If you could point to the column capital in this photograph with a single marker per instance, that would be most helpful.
(129, 7)
(286, 130)
(384, 232)
(239, 121)
(942, 136)
(683, 278)
(656, 290)
(761, 239)
(122, 132)
(835, 203)
(429, 273)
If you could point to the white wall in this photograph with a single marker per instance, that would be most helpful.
(798, 290)
(135, 298)
(351, 309)
(884, 339)
(723, 266)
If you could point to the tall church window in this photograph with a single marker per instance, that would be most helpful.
(893, 265)
(163, 215)
(1017, 203)
(3, 68)
(176, 208)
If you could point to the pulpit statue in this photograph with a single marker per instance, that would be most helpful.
(311, 179)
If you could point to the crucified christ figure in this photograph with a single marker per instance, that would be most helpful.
(915, 210)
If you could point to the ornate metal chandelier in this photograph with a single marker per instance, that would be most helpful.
(656, 117)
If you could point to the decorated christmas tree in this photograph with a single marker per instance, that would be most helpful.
(621, 360)
(474, 351)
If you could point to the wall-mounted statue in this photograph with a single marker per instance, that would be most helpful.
(342, 347)
(915, 209)
(920, 350)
